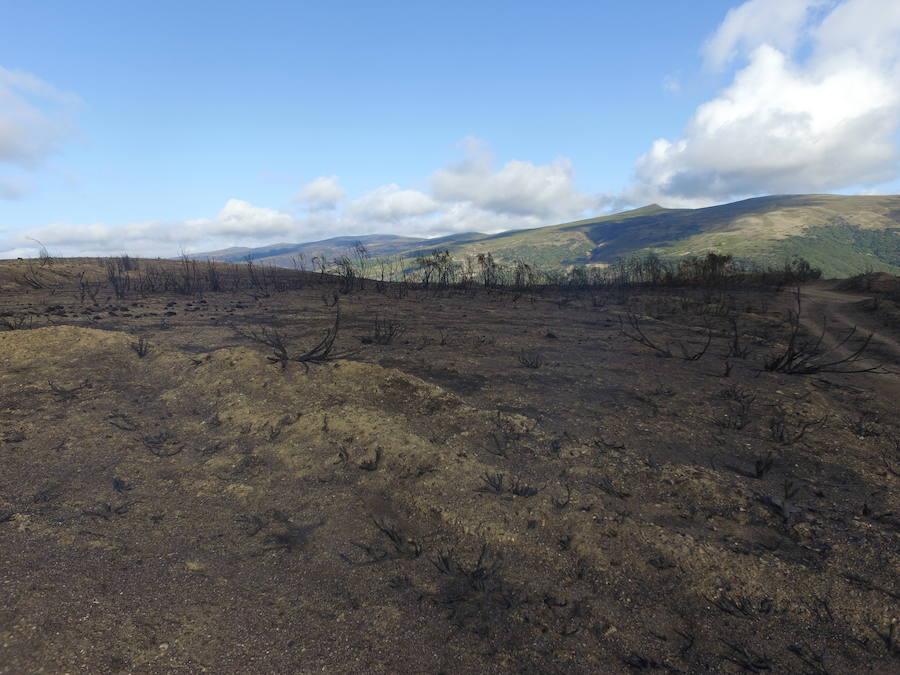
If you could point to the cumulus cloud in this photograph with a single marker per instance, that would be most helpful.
(777, 23)
(243, 219)
(470, 195)
(518, 188)
(785, 124)
(391, 203)
(867, 31)
(322, 194)
(458, 217)
(34, 121)
(238, 223)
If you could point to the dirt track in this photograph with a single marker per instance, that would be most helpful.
(841, 312)
(847, 310)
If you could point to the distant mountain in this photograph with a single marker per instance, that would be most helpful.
(843, 235)
(378, 245)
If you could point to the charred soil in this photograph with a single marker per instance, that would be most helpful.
(462, 480)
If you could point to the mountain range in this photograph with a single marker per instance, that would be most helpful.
(842, 235)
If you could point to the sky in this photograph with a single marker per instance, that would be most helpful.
(158, 127)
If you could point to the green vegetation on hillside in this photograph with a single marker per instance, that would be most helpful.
(844, 250)
(841, 235)
(840, 250)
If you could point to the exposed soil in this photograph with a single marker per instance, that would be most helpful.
(510, 484)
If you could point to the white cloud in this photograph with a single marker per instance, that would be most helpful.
(784, 125)
(322, 194)
(243, 219)
(238, 223)
(467, 217)
(867, 31)
(391, 203)
(518, 188)
(34, 121)
(471, 195)
(777, 23)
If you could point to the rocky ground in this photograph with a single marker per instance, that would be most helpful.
(470, 481)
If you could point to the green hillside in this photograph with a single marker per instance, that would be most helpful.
(842, 235)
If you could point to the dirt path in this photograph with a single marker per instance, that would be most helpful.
(844, 311)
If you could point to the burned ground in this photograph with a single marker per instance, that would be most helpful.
(531, 481)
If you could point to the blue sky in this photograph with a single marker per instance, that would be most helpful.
(152, 126)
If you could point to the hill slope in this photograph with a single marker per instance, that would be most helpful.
(380, 245)
(843, 235)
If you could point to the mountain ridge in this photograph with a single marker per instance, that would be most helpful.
(841, 234)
